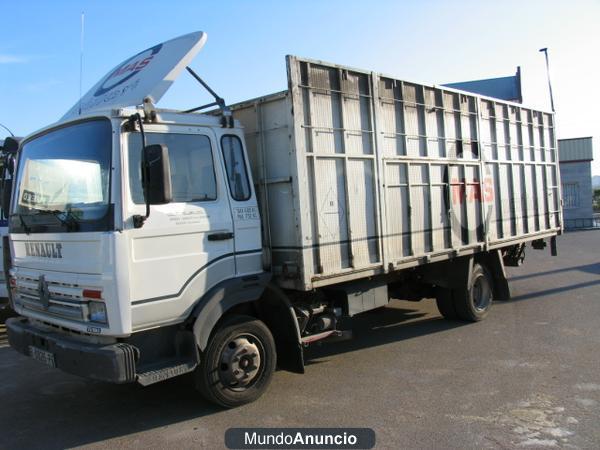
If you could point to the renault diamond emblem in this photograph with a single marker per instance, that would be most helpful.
(44, 292)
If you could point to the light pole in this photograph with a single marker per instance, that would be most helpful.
(545, 51)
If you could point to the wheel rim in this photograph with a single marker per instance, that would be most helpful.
(241, 362)
(482, 293)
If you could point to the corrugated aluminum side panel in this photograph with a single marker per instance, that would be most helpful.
(520, 158)
(417, 171)
(422, 129)
(334, 110)
(360, 173)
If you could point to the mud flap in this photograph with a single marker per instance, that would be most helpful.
(495, 264)
(278, 313)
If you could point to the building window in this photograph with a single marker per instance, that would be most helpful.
(570, 195)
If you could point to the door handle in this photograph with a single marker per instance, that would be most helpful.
(220, 236)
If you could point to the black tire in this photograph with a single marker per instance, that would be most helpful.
(445, 303)
(473, 302)
(238, 363)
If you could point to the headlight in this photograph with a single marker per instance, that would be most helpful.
(97, 312)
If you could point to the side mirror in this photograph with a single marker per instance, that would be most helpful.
(11, 145)
(157, 179)
(6, 192)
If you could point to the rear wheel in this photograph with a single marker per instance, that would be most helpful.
(471, 303)
(238, 363)
(445, 303)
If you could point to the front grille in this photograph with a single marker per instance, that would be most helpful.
(64, 299)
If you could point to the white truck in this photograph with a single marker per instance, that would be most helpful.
(150, 243)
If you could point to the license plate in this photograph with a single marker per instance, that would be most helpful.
(42, 356)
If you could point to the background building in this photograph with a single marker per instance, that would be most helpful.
(575, 158)
(505, 88)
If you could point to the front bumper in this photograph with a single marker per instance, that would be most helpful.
(113, 363)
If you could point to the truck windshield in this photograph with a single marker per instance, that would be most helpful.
(63, 180)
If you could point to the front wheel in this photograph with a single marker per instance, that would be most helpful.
(238, 363)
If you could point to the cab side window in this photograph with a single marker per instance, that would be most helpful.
(235, 165)
(192, 168)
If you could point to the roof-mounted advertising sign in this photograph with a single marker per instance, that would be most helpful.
(149, 73)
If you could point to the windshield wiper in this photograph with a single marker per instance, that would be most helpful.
(69, 221)
(26, 227)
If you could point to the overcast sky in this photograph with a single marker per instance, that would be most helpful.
(427, 41)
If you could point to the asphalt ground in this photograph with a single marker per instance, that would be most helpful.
(528, 376)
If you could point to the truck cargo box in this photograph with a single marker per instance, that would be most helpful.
(360, 174)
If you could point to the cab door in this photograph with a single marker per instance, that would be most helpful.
(185, 247)
(244, 207)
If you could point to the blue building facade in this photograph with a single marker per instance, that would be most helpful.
(575, 161)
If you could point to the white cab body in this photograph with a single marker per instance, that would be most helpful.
(154, 275)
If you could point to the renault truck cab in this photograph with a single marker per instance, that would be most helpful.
(86, 255)
(122, 219)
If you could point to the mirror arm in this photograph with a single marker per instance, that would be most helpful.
(8, 154)
(138, 220)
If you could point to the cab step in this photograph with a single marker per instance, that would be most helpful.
(165, 370)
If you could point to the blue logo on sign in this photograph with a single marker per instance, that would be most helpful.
(128, 69)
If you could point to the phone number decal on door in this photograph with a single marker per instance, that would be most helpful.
(246, 213)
